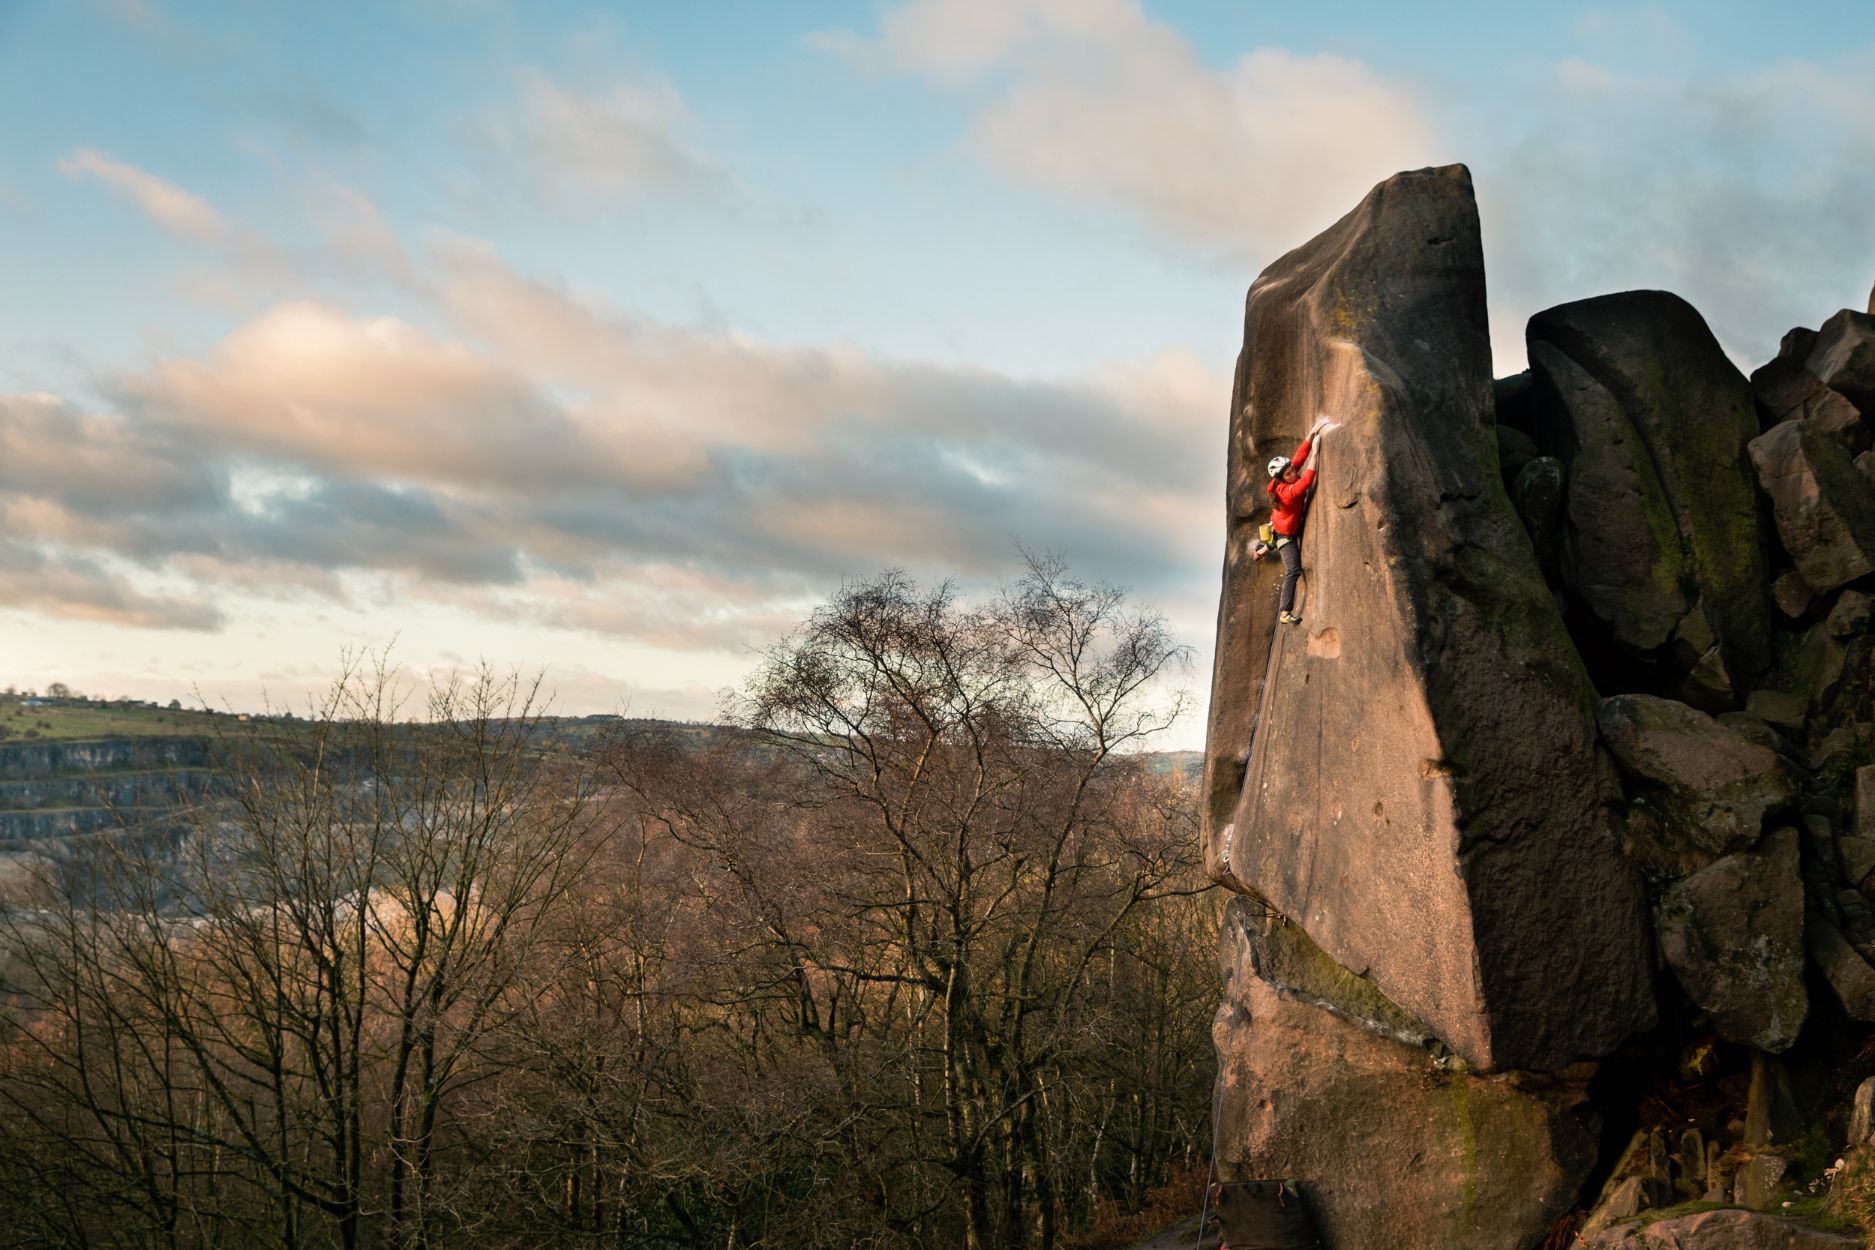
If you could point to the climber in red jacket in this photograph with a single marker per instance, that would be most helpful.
(1290, 481)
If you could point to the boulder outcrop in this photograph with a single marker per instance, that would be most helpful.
(1392, 1148)
(1424, 796)
(1464, 873)
(1651, 421)
(1720, 1230)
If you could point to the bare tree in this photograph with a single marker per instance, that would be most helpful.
(970, 760)
(262, 1029)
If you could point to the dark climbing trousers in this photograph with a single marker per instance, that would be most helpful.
(1291, 552)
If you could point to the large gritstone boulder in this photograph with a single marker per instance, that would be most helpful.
(1733, 935)
(1708, 785)
(1824, 507)
(1392, 1147)
(1412, 774)
(1651, 420)
(1843, 358)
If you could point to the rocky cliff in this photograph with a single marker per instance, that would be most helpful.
(1545, 818)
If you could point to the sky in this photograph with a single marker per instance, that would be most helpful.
(610, 339)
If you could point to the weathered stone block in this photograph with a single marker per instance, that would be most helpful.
(1824, 508)
(1712, 785)
(1850, 616)
(1733, 935)
(1848, 974)
(1412, 774)
(1858, 857)
(1865, 801)
(1775, 707)
(1844, 357)
(1792, 594)
(1283, 956)
(1786, 391)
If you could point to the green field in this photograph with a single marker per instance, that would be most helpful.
(76, 721)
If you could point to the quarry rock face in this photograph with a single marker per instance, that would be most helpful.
(1412, 774)
(1635, 396)
(1391, 1148)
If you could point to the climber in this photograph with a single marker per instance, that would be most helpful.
(1290, 480)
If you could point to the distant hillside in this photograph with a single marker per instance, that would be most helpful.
(32, 719)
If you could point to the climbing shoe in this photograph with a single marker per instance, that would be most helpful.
(1290, 618)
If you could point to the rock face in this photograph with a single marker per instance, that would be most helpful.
(1425, 797)
(1848, 974)
(1281, 955)
(1463, 1160)
(1651, 421)
(1824, 507)
(1720, 1230)
(1733, 935)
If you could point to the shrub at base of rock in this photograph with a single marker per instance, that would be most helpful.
(1392, 1148)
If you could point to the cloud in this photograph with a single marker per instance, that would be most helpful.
(1747, 193)
(620, 146)
(376, 397)
(168, 205)
(537, 456)
(1094, 100)
(75, 588)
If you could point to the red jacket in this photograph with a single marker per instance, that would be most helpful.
(1291, 498)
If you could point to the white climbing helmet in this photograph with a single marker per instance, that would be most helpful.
(1278, 464)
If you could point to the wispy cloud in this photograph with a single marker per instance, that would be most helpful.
(60, 585)
(1096, 100)
(621, 145)
(164, 203)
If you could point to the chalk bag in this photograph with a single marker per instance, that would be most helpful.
(1263, 1215)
